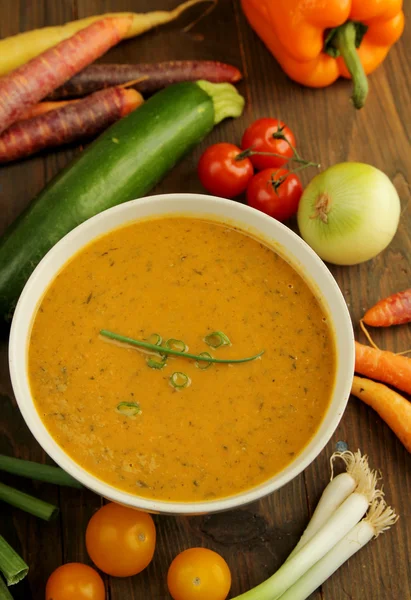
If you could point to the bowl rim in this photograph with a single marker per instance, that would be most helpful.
(240, 214)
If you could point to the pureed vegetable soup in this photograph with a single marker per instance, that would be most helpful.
(234, 425)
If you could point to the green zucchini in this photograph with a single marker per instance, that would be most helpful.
(124, 163)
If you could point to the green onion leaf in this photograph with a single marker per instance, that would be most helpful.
(179, 380)
(217, 339)
(12, 565)
(129, 409)
(157, 363)
(163, 350)
(155, 339)
(33, 470)
(30, 504)
(204, 365)
(177, 345)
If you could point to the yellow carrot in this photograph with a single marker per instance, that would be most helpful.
(19, 49)
(393, 408)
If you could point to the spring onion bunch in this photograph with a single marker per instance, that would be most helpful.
(351, 511)
(379, 518)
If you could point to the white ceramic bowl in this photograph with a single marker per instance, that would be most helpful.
(287, 243)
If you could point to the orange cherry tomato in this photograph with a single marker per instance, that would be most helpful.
(75, 581)
(120, 540)
(199, 574)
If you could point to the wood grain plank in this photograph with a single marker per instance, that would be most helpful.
(41, 544)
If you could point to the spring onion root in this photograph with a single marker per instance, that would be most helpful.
(33, 470)
(12, 565)
(32, 505)
(379, 518)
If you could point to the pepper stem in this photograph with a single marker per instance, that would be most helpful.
(344, 40)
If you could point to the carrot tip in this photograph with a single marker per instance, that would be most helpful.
(131, 100)
(237, 76)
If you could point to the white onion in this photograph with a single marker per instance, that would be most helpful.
(349, 213)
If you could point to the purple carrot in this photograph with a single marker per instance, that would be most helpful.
(76, 121)
(153, 76)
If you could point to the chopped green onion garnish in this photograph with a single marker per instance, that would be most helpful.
(164, 350)
(178, 345)
(4, 591)
(179, 380)
(30, 504)
(204, 365)
(12, 565)
(157, 363)
(129, 409)
(33, 470)
(217, 339)
(155, 339)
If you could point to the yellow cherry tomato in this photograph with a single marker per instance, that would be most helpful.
(199, 574)
(120, 540)
(75, 581)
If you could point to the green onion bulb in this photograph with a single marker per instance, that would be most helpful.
(129, 409)
(155, 338)
(201, 364)
(157, 363)
(177, 345)
(179, 380)
(349, 213)
(217, 339)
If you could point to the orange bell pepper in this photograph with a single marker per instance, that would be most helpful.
(318, 41)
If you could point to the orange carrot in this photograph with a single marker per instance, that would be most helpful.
(393, 408)
(75, 121)
(394, 310)
(33, 81)
(43, 107)
(383, 366)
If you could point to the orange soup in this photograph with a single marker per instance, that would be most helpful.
(233, 425)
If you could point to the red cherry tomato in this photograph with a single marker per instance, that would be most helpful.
(259, 137)
(221, 174)
(279, 202)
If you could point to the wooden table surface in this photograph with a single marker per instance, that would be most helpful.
(256, 539)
